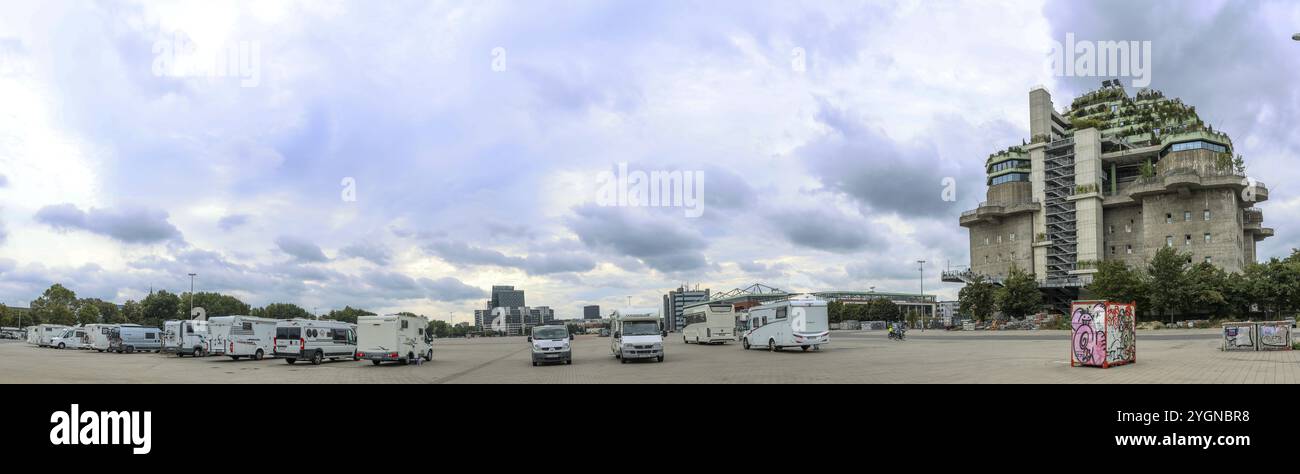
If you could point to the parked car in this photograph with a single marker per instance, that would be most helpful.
(550, 344)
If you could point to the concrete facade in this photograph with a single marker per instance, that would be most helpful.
(1122, 178)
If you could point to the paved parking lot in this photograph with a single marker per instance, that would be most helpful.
(1169, 356)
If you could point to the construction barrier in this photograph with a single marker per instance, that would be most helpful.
(1102, 334)
(1261, 336)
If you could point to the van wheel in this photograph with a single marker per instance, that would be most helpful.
(234, 357)
(60, 345)
(100, 350)
(291, 361)
(684, 341)
(805, 348)
(316, 358)
(375, 362)
(130, 349)
(258, 355)
(771, 345)
(661, 358)
(428, 355)
(534, 363)
(745, 343)
(200, 352)
(622, 360)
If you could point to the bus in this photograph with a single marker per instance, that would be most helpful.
(709, 323)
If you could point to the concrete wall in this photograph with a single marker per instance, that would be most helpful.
(1010, 193)
(1226, 238)
(1123, 229)
(995, 258)
(1088, 211)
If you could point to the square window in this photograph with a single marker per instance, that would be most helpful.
(1187, 216)
(1130, 249)
(1207, 214)
(1208, 259)
(1207, 237)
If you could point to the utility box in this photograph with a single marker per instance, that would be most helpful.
(1261, 336)
(1102, 334)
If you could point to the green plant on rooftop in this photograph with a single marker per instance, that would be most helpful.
(1147, 170)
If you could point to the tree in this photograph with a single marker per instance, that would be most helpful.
(347, 314)
(281, 311)
(160, 306)
(57, 305)
(439, 328)
(880, 309)
(835, 312)
(87, 314)
(1207, 287)
(132, 312)
(1019, 295)
(216, 304)
(1168, 282)
(976, 299)
(105, 312)
(1116, 281)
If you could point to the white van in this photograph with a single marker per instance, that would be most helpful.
(551, 344)
(72, 338)
(799, 321)
(315, 340)
(709, 323)
(99, 334)
(241, 336)
(638, 334)
(45, 333)
(394, 338)
(185, 336)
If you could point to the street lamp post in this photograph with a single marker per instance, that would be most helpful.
(921, 267)
(192, 275)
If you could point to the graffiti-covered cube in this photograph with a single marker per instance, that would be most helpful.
(1102, 333)
(1239, 336)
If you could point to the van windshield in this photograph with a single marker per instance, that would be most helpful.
(550, 333)
(640, 328)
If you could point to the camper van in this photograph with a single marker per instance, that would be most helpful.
(72, 338)
(799, 321)
(709, 323)
(551, 344)
(393, 338)
(130, 338)
(33, 336)
(99, 334)
(315, 340)
(638, 334)
(241, 336)
(185, 336)
(47, 332)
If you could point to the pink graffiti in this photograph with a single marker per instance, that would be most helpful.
(1089, 345)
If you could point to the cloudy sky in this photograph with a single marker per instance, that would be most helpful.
(409, 155)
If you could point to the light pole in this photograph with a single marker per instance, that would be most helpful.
(921, 267)
(192, 275)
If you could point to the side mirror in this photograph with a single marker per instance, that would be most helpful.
(570, 337)
(618, 335)
(663, 334)
(530, 338)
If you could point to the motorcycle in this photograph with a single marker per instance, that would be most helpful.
(899, 335)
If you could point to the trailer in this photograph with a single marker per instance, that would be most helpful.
(800, 321)
(709, 323)
(241, 336)
(393, 338)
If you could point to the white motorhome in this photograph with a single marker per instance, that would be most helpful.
(315, 340)
(799, 321)
(241, 336)
(33, 336)
(45, 333)
(72, 338)
(394, 338)
(99, 334)
(709, 323)
(185, 336)
(638, 334)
